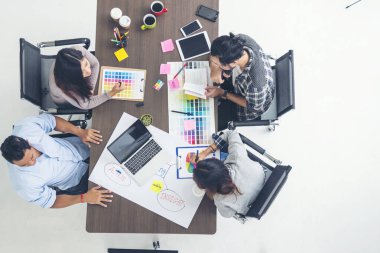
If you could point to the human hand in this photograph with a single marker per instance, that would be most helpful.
(212, 91)
(117, 88)
(90, 135)
(96, 196)
(193, 157)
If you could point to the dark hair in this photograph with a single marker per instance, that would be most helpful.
(213, 176)
(227, 48)
(68, 74)
(13, 148)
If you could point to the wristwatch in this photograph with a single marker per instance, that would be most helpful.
(224, 96)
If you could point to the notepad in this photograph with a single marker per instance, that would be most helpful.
(121, 54)
(173, 84)
(167, 46)
(165, 69)
(195, 82)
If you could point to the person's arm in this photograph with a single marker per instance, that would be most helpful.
(215, 72)
(256, 98)
(93, 196)
(235, 144)
(86, 135)
(212, 91)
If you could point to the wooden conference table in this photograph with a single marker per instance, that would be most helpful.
(144, 50)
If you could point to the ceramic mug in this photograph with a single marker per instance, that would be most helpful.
(116, 14)
(158, 8)
(149, 21)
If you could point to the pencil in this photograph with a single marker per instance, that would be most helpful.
(179, 71)
(186, 113)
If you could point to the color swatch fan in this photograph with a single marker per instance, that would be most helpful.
(133, 79)
(191, 117)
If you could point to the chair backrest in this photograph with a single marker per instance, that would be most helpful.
(269, 192)
(284, 69)
(30, 69)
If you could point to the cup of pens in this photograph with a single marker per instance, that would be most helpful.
(120, 40)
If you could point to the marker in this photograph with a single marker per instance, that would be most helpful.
(180, 70)
(186, 113)
(197, 157)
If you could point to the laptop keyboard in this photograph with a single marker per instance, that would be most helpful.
(142, 157)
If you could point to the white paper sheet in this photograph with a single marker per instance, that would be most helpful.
(165, 195)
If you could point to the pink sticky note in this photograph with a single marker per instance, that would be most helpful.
(189, 125)
(174, 84)
(165, 69)
(167, 45)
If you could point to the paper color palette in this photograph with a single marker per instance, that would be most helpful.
(198, 126)
(133, 79)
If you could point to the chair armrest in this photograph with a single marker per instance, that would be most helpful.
(54, 43)
(269, 192)
(233, 124)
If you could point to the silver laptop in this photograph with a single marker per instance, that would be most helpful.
(138, 153)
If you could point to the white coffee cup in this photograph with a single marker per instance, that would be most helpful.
(116, 14)
(125, 22)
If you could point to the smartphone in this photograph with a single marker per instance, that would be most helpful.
(207, 13)
(191, 27)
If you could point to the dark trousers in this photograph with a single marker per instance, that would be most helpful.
(82, 187)
(226, 108)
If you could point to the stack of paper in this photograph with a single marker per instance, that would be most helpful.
(195, 82)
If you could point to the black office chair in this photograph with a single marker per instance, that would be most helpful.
(284, 101)
(34, 69)
(275, 179)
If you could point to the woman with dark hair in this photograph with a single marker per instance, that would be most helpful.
(233, 184)
(241, 61)
(73, 78)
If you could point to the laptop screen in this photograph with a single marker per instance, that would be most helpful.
(129, 141)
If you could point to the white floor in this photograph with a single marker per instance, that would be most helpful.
(330, 203)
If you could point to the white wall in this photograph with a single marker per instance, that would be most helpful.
(330, 202)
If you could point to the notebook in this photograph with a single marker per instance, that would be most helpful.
(195, 82)
(138, 153)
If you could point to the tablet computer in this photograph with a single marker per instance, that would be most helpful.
(193, 46)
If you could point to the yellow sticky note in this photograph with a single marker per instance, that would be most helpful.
(190, 97)
(121, 54)
(157, 186)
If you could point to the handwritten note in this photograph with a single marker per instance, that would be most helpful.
(165, 69)
(189, 125)
(167, 46)
(174, 84)
(157, 186)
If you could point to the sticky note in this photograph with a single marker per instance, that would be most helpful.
(189, 125)
(190, 97)
(158, 85)
(174, 84)
(121, 54)
(157, 186)
(167, 45)
(165, 69)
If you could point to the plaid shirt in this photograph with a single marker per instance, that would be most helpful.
(255, 83)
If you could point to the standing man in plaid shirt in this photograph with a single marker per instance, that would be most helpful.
(243, 70)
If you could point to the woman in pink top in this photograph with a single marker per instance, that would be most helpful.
(73, 79)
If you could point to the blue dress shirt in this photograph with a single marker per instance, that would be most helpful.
(60, 164)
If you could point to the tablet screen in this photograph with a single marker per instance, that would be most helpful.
(195, 45)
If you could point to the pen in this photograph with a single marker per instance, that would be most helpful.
(196, 157)
(179, 71)
(186, 113)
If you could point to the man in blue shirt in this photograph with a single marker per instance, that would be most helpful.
(51, 172)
